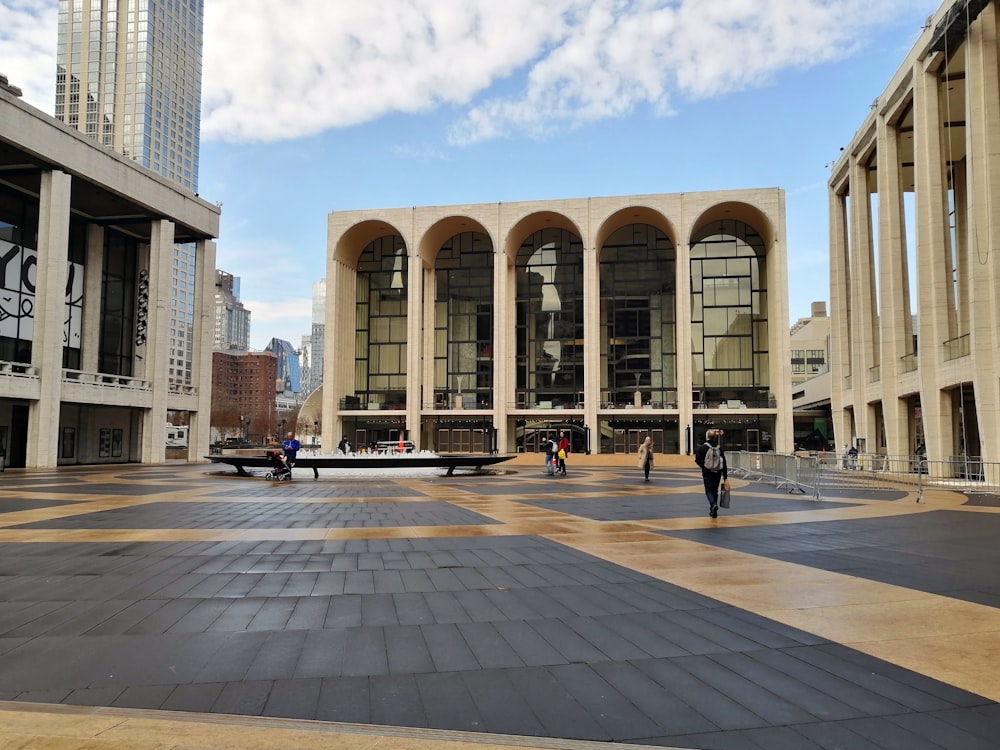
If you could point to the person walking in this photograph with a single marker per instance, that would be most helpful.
(712, 460)
(646, 456)
(549, 447)
(290, 448)
(562, 452)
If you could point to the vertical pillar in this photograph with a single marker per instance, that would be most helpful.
(592, 333)
(414, 325)
(682, 331)
(505, 348)
(154, 421)
(93, 276)
(983, 188)
(779, 337)
(934, 296)
(894, 319)
(203, 335)
(841, 378)
(864, 341)
(50, 314)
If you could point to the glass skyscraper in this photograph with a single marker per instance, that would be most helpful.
(129, 76)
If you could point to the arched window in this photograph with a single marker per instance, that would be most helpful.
(381, 330)
(549, 317)
(463, 319)
(638, 322)
(729, 334)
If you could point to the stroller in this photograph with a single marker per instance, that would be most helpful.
(279, 467)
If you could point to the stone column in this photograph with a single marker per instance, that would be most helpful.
(158, 341)
(50, 314)
(199, 434)
(894, 304)
(935, 299)
(93, 277)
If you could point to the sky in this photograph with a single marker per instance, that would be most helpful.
(315, 106)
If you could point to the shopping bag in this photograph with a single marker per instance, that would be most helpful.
(724, 493)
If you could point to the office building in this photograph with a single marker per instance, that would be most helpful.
(914, 202)
(129, 76)
(232, 319)
(482, 327)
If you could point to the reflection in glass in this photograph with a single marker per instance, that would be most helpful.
(549, 318)
(639, 330)
(463, 322)
(381, 329)
(729, 316)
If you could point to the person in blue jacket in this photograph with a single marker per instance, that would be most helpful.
(291, 448)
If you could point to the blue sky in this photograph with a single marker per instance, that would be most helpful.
(343, 106)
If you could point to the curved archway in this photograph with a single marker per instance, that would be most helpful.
(729, 314)
(549, 312)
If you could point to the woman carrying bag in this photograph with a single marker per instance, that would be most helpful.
(646, 456)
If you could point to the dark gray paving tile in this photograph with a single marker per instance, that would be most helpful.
(491, 649)
(395, 700)
(143, 696)
(247, 698)
(345, 699)
(448, 648)
(557, 709)
(364, 652)
(406, 650)
(448, 703)
(504, 709)
(197, 698)
(293, 699)
(322, 654)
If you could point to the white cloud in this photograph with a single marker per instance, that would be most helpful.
(277, 71)
(28, 49)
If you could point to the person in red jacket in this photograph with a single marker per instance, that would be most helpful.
(563, 451)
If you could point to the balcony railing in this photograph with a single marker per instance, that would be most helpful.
(18, 370)
(957, 347)
(874, 373)
(908, 363)
(106, 380)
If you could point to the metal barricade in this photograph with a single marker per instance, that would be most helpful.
(829, 474)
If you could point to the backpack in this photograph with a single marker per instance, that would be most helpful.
(713, 458)
(549, 447)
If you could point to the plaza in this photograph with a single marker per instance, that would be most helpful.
(181, 606)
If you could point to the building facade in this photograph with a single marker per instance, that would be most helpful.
(129, 76)
(86, 243)
(232, 319)
(243, 404)
(914, 202)
(482, 327)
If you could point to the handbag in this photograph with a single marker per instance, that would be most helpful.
(562, 453)
(724, 493)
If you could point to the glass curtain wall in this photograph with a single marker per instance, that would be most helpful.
(380, 328)
(118, 313)
(638, 322)
(729, 342)
(463, 322)
(549, 320)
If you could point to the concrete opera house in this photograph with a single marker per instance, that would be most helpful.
(914, 232)
(86, 241)
(482, 327)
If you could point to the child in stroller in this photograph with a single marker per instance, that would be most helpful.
(279, 467)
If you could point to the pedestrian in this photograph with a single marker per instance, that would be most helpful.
(646, 456)
(712, 460)
(562, 452)
(549, 446)
(344, 446)
(290, 447)
(852, 457)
